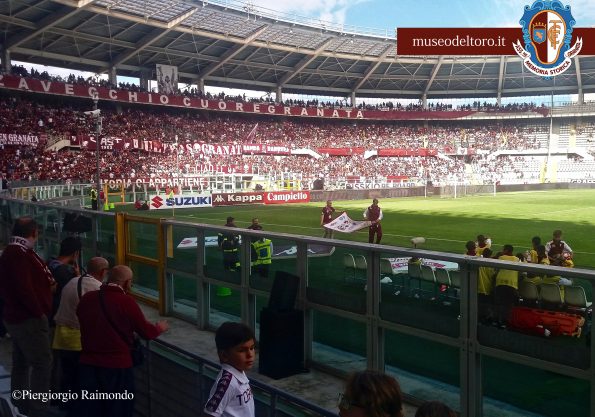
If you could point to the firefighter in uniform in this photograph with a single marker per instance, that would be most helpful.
(93, 198)
(262, 253)
(230, 245)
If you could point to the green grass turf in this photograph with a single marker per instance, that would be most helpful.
(446, 224)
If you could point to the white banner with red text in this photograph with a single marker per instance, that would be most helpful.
(21, 139)
(346, 224)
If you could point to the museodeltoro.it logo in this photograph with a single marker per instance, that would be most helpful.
(157, 202)
(547, 32)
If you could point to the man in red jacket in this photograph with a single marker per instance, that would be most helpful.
(26, 286)
(108, 320)
(374, 215)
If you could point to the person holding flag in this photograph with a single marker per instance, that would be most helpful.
(374, 215)
(326, 217)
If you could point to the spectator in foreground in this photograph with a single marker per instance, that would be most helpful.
(231, 394)
(371, 394)
(67, 336)
(108, 320)
(435, 409)
(26, 286)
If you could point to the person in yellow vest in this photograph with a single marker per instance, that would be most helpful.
(506, 293)
(485, 287)
(262, 254)
(483, 243)
(531, 255)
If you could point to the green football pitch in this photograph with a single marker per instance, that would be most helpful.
(446, 224)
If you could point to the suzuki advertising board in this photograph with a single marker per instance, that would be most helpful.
(237, 199)
(284, 197)
(160, 202)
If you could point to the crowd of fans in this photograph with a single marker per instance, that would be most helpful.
(268, 98)
(456, 144)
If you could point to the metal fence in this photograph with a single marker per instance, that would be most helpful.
(357, 316)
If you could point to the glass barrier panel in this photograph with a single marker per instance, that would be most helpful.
(184, 296)
(422, 293)
(547, 318)
(142, 239)
(283, 261)
(524, 390)
(423, 367)
(339, 342)
(337, 277)
(260, 302)
(222, 263)
(145, 279)
(183, 240)
(106, 235)
(225, 305)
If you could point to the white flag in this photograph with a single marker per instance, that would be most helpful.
(345, 224)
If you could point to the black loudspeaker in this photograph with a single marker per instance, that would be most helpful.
(284, 291)
(281, 352)
(76, 223)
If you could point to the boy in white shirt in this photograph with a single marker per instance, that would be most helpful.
(231, 395)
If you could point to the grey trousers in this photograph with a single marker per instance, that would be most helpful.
(31, 363)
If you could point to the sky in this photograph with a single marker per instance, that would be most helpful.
(386, 15)
(389, 14)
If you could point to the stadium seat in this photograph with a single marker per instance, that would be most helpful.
(361, 267)
(576, 300)
(427, 275)
(550, 296)
(386, 270)
(529, 293)
(348, 267)
(455, 278)
(414, 272)
(443, 278)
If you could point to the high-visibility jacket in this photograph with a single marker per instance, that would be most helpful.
(508, 276)
(264, 251)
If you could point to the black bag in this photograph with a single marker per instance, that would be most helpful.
(137, 353)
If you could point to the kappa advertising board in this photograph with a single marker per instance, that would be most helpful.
(284, 197)
(237, 199)
(160, 202)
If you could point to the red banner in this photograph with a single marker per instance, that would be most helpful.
(116, 95)
(237, 199)
(256, 148)
(472, 41)
(284, 197)
(21, 139)
(407, 152)
(341, 151)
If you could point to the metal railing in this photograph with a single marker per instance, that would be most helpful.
(269, 401)
(355, 323)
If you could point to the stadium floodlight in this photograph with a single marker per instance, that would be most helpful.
(96, 113)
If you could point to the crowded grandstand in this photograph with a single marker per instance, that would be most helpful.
(144, 142)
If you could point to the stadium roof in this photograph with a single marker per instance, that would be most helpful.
(233, 44)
